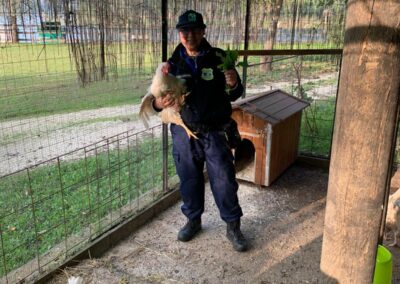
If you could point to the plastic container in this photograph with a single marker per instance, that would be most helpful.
(383, 266)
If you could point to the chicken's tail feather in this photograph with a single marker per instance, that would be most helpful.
(146, 109)
(170, 115)
(188, 131)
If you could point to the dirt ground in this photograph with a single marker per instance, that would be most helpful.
(284, 224)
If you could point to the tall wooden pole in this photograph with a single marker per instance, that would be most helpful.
(246, 45)
(164, 57)
(362, 140)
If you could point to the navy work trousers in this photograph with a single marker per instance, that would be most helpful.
(190, 155)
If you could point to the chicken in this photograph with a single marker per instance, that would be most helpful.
(159, 86)
(393, 216)
(75, 280)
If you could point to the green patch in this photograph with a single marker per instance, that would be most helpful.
(66, 97)
(46, 205)
(41, 80)
(317, 127)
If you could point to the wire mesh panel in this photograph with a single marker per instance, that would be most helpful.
(51, 210)
(298, 24)
(73, 75)
(73, 71)
(313, 78)
(75, 157)
(275, 25)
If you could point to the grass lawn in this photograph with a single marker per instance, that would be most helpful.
(63, 96)
(316, 128)
(37, 81)
(42, 208)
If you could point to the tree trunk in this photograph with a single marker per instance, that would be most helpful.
(294, 17)
(102, 42)
(275, 12)
(13, 19)
(298, 68)
(257, 16)
(364, 128)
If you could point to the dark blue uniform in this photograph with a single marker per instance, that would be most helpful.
(206, 110)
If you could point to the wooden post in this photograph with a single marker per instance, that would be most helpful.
(164, 57)
(364, 128)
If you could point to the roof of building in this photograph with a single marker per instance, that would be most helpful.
(273, 106)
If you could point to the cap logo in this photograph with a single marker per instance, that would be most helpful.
(192, 17)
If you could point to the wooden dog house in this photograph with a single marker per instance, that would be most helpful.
(269, 124)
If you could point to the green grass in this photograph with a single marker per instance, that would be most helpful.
(314, 84)
(37, 81)
(283, 46)
(62, 97)
(41, 209)
(316, 128)
(20, 60)
(283, 70)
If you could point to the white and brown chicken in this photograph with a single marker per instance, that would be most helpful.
(393, 217)
(160, 86)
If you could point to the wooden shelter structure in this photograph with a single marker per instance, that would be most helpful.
(269, 124)
(364, 135)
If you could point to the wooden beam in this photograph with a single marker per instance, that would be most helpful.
(290, 52)
(363, 136)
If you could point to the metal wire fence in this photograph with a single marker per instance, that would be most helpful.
(313, 78)
(75, 158)
(63, 89)
(79, 68)
(53, 209)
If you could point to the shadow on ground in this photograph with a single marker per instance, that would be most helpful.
(283, 222)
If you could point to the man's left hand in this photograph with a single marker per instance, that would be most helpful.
(231, 78)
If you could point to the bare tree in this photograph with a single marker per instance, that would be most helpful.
(12, 12)
(274, 11)
(298, 67)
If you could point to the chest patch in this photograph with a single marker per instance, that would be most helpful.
(207, 74)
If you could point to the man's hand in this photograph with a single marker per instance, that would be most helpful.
(165, 101)
(231, 78)
(166, 67)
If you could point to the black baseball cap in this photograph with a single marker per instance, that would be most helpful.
(190, 19)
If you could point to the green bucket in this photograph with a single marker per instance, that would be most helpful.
(383, 266)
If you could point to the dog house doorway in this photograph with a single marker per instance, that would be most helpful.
(245, 155)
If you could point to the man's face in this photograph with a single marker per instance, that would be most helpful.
(191, 38)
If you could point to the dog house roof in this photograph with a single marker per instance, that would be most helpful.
(272, 106)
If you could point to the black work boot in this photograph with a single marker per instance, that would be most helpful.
(236, 237)
(189, 230)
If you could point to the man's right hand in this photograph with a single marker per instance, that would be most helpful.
(165, 101)
(166, 67)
